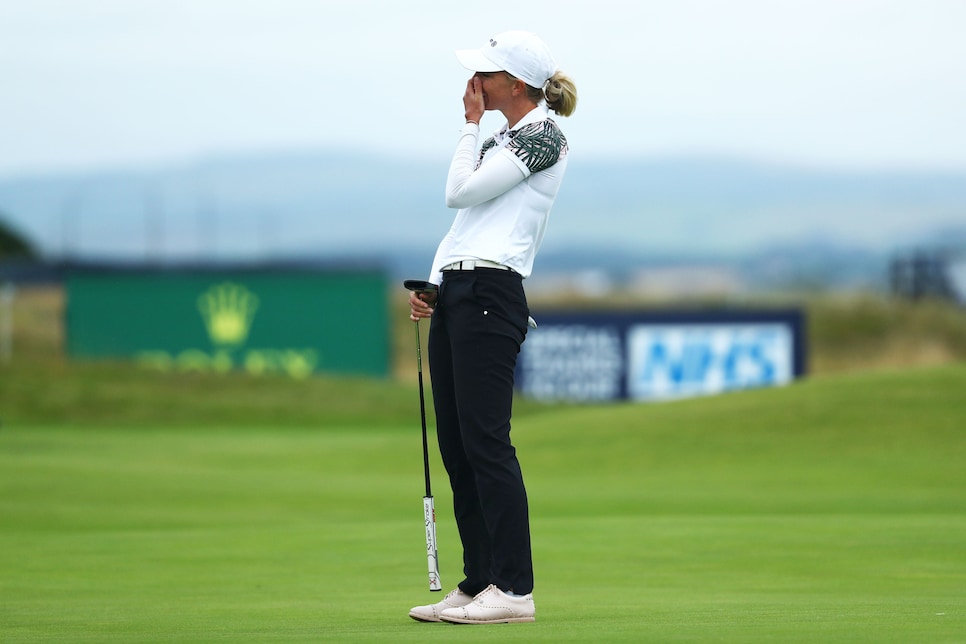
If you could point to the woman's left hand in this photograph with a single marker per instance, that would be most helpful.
(473, 100)
(421, 305)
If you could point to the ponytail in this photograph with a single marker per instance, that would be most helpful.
(561, 94)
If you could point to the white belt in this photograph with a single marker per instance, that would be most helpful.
(473, 264)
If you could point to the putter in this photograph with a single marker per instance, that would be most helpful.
(429, 510)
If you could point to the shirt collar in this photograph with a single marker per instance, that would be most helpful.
(537, 114)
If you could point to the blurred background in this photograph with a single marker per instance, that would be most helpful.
(725, 151)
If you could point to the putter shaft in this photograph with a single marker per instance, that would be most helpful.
(422, 413)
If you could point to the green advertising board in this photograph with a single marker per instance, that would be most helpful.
(293, 322)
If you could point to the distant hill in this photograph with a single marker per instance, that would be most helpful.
(12, 244)
(624, 211)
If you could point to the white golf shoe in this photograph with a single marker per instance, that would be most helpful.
(454, 599)
(492, 606)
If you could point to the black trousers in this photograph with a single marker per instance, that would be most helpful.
(478, 325)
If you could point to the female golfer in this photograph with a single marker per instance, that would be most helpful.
(504, 190)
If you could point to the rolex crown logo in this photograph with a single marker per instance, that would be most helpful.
(227, 310)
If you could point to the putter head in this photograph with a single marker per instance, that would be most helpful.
(420, 286)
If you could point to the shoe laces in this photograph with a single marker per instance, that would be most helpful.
(486, 591)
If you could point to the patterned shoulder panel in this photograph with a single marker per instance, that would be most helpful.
(538, 145)
(487, 145)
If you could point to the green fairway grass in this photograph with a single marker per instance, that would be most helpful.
(833, 510)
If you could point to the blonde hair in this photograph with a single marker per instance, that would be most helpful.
(561, 94)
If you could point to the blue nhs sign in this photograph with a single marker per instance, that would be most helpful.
(675, 361)
(595, 357)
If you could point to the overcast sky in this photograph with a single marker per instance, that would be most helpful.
(842, 83)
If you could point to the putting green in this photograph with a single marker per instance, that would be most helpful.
(831, 510)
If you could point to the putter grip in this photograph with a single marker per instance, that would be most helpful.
(429, 515)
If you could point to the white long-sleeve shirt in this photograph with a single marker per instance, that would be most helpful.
(504, 193)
